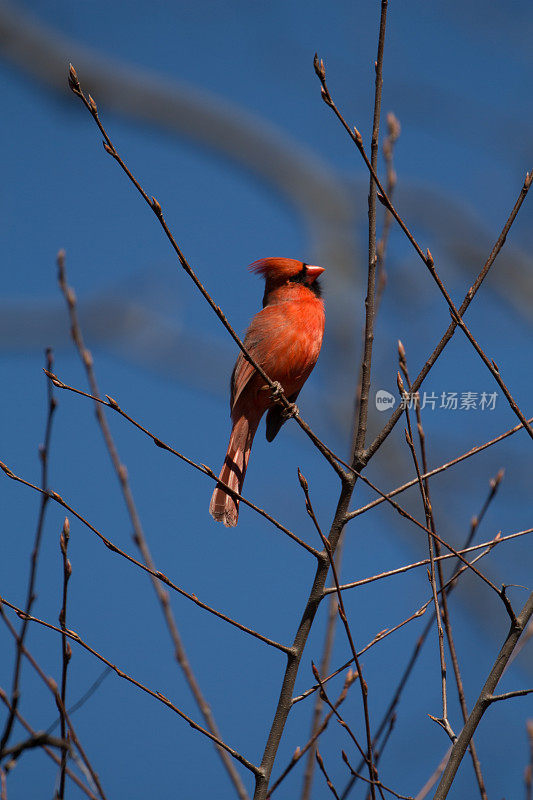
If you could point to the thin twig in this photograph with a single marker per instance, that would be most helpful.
(155, 573)
(50, 753)
(457, 460)
(494, 484)
(83, 699)
(325, 666)
(379, 637)
(301, 751)
(154, 204)
(495, 698)
(30, 595)
(484, 700)
(156, 695)
(425, 561)
(39, 739)
(430, 522)
(366, 363)
(393, 134)
(471, 293)
(344, 619)
(378, 783)
(66, 650)
(330, 786)
(427, 258)
(448, 587)
(433, 778)
(112, 404)
(138, 533)
(52, 686)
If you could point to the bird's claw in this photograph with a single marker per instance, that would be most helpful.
(291, 411)
(277, 391)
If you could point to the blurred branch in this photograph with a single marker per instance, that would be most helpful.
(50, 753)
(30, 594)
(52, 686)
(276, 389)
(257, 146)
(155, 573)
(138, 533)
(112, 403)
(484, 700)
(156, 695)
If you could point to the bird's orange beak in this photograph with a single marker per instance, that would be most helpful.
(314, 272)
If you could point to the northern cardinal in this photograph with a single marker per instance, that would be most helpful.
(284, 339)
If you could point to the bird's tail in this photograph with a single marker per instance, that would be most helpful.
(223, 506)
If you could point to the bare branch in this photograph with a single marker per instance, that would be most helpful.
(138, 534)
(112, 404)
(50, 753)
(30, 595)
(484, 700)
(155, 573)
(156, 208)
(156, 695)
(66, 651)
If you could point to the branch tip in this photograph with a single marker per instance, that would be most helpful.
(73, 81)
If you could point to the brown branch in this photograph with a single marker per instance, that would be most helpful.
(37, 740)
(494, 484)
(344, 619)
(388, 631)
(52, 686)
(393, 134)
(433, 778)
(325, 666)
(66, 651)
(330, 786)
(156, 695)
(373, 780)
(301, 751)
(430, 522)
(83, 699)
(30, 595)
(390, 711)
(484, 700)
(138, 534)
(500, 592)
(50, 753)
(154, 204)
(396, 414)
(358, 775)
(474, 451)
(155, 573)
(495, 698)
(366, 364)
(427, 258)
(425, 561)
(112, 404)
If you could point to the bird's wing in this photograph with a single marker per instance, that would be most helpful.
(265, 329)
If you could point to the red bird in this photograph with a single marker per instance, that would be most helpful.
(284, 339)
